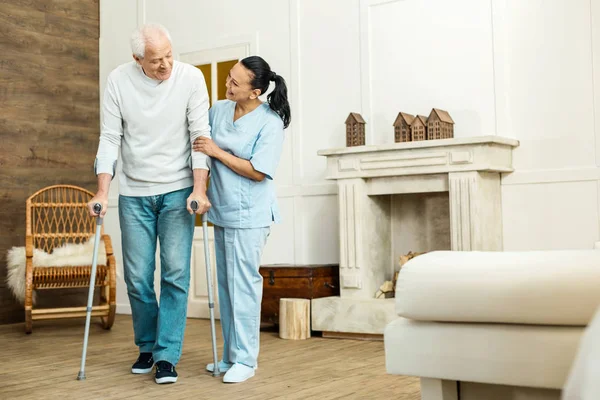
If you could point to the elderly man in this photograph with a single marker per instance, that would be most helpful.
(153, 109)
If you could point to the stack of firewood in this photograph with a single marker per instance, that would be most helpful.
(388, 289)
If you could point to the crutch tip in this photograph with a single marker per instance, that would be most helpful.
(81, 376)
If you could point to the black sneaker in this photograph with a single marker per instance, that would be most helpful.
(143, 365)
(165, 372)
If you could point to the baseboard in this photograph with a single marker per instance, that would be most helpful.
(353, 336)
(124, 309)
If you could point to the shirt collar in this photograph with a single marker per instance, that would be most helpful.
(146, 78)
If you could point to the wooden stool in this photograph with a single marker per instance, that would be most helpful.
(294, 319)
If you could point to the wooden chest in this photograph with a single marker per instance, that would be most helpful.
(296, 281)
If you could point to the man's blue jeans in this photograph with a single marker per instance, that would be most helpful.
(158, 330)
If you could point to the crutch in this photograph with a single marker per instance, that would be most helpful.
(88, 315)
(209, 284)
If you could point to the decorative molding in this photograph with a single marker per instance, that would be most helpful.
(228, 47)
(430, 183)
(344, 221)
(214, 90)
(375, 3)
(351, 281)
(365, 66)
(324, 189)
(461, 190)
(530, 177)
(500, 51)
(296, 93)
(403, 161)
(141, 12)
(348, 203)
(347, 165)
(365, 60)
(489, 140)
(461, 157)
(297, 230)
(597, 244)
(595, 44)
(487, 153)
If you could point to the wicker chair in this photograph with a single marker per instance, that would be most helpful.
(57, 215)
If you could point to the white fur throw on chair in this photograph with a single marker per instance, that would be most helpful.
(68, 255)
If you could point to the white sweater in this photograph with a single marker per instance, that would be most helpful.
(153, 123)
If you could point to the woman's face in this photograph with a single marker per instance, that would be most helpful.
(238, 84)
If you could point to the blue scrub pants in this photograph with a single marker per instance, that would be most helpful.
(238, 253)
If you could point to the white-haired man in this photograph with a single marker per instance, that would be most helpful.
(153, 109)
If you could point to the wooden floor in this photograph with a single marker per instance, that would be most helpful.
(45, 365)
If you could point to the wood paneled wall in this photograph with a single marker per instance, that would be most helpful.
(49, 110)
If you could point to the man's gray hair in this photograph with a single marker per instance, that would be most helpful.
(139, 37)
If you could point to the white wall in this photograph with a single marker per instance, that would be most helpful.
(529, 70)
(548, 73)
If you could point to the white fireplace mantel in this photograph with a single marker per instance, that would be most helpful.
(479, 153)
(469, 169)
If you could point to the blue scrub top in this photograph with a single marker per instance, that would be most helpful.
(239, 202)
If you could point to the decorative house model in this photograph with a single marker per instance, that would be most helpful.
(418, 128)
(439, 125)
(355, 130)
(402, 127)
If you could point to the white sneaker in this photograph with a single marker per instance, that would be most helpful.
(238, 373)
(223, 366)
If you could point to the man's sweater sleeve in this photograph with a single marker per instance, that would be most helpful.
(111, 131)
(197, 114)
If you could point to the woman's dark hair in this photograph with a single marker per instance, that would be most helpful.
(263, 75)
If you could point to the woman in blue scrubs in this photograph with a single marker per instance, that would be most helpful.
(246, 144)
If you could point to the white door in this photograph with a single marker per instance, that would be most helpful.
(198, 295)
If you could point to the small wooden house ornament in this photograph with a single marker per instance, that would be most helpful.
(402, 127)
(355, 130)
(439, 125)
(418, 128)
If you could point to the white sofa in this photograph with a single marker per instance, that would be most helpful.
(492, 325)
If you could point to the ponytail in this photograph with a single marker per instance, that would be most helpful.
(278, 100)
